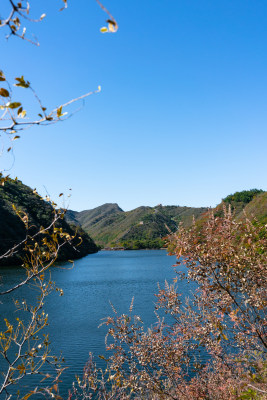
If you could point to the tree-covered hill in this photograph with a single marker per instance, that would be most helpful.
(247, 203)
(245, 197)
(16, 195)
(143, 227)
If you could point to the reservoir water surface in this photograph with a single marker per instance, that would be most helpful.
(89, 287)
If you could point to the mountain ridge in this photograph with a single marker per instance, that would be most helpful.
(146, 227)
(110, 226)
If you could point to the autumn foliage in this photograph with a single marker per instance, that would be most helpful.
(211, 345)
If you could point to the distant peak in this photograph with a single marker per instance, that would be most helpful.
(114, 206)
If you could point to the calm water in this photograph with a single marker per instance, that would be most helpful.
(88, 288)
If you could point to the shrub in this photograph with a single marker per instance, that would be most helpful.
(213, 345)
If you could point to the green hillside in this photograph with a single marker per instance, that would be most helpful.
(97, 215)
(143, 227)
(247, 203)
(256, 208)
(245, 197)
(40, 213)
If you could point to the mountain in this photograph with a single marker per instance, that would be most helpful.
(143, 227)
(88, 218)
(40, 213)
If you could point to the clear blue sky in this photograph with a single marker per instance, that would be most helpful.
(182, 116)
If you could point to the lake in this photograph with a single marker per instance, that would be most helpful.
(95, 280)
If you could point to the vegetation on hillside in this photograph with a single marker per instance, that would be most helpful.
(143, 244)
(146, 227)
(242, 197)
(143, 227)
(257, 208)
(248, 203)
(18, 201)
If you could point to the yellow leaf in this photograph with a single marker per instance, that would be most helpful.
(27, 396)
(21, 369)
(59, 111)
(22, 114)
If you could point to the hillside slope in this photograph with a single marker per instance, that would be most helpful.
(40, 213)
(92, 217)
(145, 227)
(256, 208)
(247, 203)
(142, 227)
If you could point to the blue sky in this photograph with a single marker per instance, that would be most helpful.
(181, 118)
